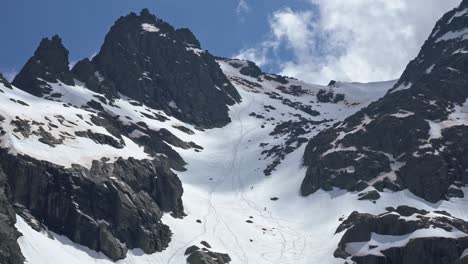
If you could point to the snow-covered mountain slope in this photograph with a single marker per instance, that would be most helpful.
(230, 186)
(202, 161)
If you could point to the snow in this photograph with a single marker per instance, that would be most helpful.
(429, 70)
(79, 150)
(402, 114)
(458, 14)
(460, 51)
(197, 51)
(149, 27)
(453, 35)
(402, 87)
(464, 254)
(99, 76)
(224, 184)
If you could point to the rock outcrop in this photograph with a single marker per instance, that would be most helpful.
(111, 207)
(195, 255)
(367, 237)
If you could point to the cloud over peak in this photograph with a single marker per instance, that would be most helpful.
(358, 40)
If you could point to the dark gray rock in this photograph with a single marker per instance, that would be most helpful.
(21, 126)
(359, 228)
(86, 72)
(251, 70)
(191, 250)
(205, 256)
(188, 37)
(433, 250)
(371, 195)
(109, 244)
(49, 63)
(101, 139)
(10, 252)
(328, 96)
(204, 243)
(330, 170)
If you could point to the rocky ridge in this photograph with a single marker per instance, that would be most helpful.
(414, 137)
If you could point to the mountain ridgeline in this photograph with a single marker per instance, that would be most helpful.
(147, 60)
(154, 147)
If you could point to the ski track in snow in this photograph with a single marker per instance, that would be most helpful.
(224, 185)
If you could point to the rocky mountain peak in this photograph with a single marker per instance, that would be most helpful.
(145, 59)
(48, 64)
(53, 53)
(148, 60)
(146, 13)
(440, 55)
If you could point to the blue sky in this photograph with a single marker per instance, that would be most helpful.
(313, 40)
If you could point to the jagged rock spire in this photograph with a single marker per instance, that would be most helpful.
(48, 64)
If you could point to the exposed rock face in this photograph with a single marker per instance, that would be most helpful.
(148, 60)
(86, 72)
(402, 224)
(10, 252)
(109, 208)
(327, 96)
(205, 256)
(248, 68)
(49, 64)
(412, 137)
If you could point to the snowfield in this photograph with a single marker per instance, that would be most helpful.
(229, 201)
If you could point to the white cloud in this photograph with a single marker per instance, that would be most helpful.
(359, 40)
(242, 7)
(254, 54)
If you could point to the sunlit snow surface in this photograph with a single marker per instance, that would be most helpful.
(149, 27)
(224, 185)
